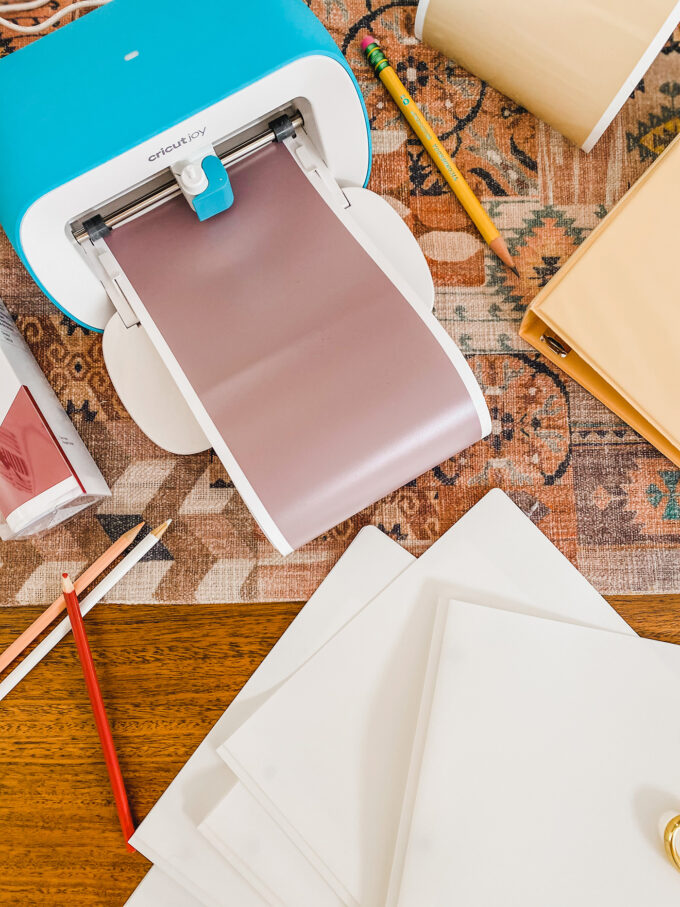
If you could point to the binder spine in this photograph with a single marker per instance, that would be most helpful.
(542, 337)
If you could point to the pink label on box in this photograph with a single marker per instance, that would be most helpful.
(31, 459)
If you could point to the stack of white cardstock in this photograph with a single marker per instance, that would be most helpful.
(310, 790)
(169, 835)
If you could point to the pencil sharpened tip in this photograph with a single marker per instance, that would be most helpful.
(129, 536)
(498, 246)
(160, 531)
(66, 583)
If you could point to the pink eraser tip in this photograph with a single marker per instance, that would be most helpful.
(369, 39)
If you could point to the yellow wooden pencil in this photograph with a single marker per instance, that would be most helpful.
(416, 120)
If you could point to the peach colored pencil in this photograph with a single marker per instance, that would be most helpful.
(55, 609)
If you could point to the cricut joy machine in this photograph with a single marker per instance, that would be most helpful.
(128, 112)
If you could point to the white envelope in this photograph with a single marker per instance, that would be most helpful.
(169, 835)
(550, 763)
(327, 755)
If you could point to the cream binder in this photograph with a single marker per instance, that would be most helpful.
(610, 318)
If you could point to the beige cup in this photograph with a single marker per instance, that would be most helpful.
(570, 62)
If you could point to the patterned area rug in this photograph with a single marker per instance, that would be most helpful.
(606, 498)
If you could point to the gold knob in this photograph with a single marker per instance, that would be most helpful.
(670, 841)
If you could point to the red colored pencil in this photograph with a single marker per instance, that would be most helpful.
(98, 710)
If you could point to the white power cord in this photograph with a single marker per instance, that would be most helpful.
(22, 7)
(12, 8)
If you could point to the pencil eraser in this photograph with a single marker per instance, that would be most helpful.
(369, 39)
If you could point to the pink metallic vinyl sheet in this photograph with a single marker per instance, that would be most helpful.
(327, 387)
(31, 459)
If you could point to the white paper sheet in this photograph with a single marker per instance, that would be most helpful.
(327, 755)
(551, 758)
(246, 835)
(158, 890)
(169, 836)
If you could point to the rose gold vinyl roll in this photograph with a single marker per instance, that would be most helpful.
(327, 386)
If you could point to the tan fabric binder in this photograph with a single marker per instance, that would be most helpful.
(610, 318)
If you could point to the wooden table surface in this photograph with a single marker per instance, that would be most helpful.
(167, 675)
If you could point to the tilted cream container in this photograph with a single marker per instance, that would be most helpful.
(571, 64)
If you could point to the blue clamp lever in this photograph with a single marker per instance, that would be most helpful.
(219, 196)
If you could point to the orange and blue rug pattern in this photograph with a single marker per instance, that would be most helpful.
(604, 496)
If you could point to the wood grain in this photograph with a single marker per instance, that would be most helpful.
(167, 674)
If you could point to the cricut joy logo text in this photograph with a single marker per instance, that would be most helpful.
(185, 140)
